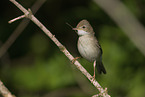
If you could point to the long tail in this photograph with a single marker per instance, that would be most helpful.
(100, 67)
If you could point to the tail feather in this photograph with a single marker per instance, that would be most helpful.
(101, 68)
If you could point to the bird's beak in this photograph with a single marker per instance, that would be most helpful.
(74, 28)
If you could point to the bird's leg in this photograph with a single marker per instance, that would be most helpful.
(75, 59)
(94, 68)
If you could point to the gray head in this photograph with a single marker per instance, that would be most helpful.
(84, 28)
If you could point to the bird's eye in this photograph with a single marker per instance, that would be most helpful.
(83, 27)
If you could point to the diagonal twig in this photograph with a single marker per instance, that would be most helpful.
(4, 91)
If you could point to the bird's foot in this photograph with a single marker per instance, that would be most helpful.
(94, 76)
(94, 68)
(75, 59)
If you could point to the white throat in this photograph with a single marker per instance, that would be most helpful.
(82, 32)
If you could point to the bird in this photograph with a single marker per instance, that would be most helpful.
(88, 45)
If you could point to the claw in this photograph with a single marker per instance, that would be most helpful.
(75, 59)
(94, 76)
(94, 69)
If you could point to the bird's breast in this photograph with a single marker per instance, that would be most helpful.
(87, 47)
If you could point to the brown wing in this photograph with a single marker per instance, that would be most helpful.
(99, 46)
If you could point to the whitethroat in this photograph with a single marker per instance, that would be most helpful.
(88, 45)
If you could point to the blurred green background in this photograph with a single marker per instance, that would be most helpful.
(34, 66)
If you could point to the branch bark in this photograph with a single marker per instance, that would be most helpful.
(4, 91)
(28, 14)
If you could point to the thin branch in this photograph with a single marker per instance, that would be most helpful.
(13, 20)
(125, 20)
(4, 91)
(102, 91)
